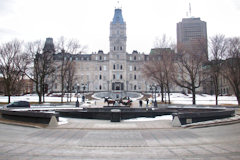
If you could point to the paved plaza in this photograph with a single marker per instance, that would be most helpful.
(100, 139)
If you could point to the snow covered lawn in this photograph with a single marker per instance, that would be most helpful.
(176, 98)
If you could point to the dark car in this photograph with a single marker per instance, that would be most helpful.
(19, 104)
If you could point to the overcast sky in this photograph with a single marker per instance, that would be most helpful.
(89, 20)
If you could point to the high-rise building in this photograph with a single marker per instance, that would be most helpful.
(191, 31)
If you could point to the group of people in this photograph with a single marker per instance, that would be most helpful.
(141, 102)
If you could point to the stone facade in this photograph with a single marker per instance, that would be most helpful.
(116, 70)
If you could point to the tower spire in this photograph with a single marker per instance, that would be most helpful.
(190, 10)
(118, 6)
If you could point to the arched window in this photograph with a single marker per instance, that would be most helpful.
(114, 76)
(114, 67)
(100, 77)
(135, 87)
(100, 68)
(100, 87)
(121, 77)
(135, 77)
(121, 67)
(135, 68)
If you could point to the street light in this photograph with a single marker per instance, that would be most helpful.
(154, 87)
(77, 90)
(84, 87)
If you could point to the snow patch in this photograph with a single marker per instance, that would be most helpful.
(144, 119)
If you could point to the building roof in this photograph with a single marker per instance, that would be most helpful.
(118, 18)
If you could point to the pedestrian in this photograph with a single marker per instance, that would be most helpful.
(140, 103)
(147, 100)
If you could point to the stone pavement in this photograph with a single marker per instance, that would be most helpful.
(126, 140)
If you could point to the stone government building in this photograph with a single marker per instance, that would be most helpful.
(113, 71)
(117, 70)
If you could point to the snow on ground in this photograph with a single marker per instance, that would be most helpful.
(144, 119)
(176, 98)
(203, 99)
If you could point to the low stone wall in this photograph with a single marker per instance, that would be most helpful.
(28, 116)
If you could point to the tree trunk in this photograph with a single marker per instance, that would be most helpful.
(162, 92)
(168, 90)
(194, 96)
(216, 97)
(9, 98)
(39, 98)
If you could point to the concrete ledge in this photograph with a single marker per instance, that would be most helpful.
(28, 116)
(194, 117)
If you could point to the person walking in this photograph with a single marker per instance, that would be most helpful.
(140, 103)
(147, 100)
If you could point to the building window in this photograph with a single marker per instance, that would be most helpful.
(100, 68)
(114, 76)
(130, 68)
(100, 58)
(130, 58)
(135, 58)
(121, 48)
(114, 48)
(105, 58)
(135, 68)
(114, 67)
(135, 77)
(104, 68)
(100, 77)
(121, 67)
(135, 87)
(121, 77)
(117, 66)
(117, 56)
(100, 87)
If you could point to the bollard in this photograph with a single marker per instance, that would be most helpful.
(115, 115)
(77, 103)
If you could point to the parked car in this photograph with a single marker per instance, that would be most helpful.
(19, 104)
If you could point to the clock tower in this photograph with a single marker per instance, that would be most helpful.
(118, 36)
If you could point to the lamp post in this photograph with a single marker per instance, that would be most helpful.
(77, 89)
(83, 97)
(155, 103)
(154, 88)
(151, 88)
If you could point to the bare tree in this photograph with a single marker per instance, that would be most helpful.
(218, 46)
(168, 70)
(65, 60)
(154, 71)
(160, 64)
(12, 63)
(231, 66)
(42, 66)
(70, 77)
(188, 69)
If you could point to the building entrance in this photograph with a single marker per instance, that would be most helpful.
(118, 86)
